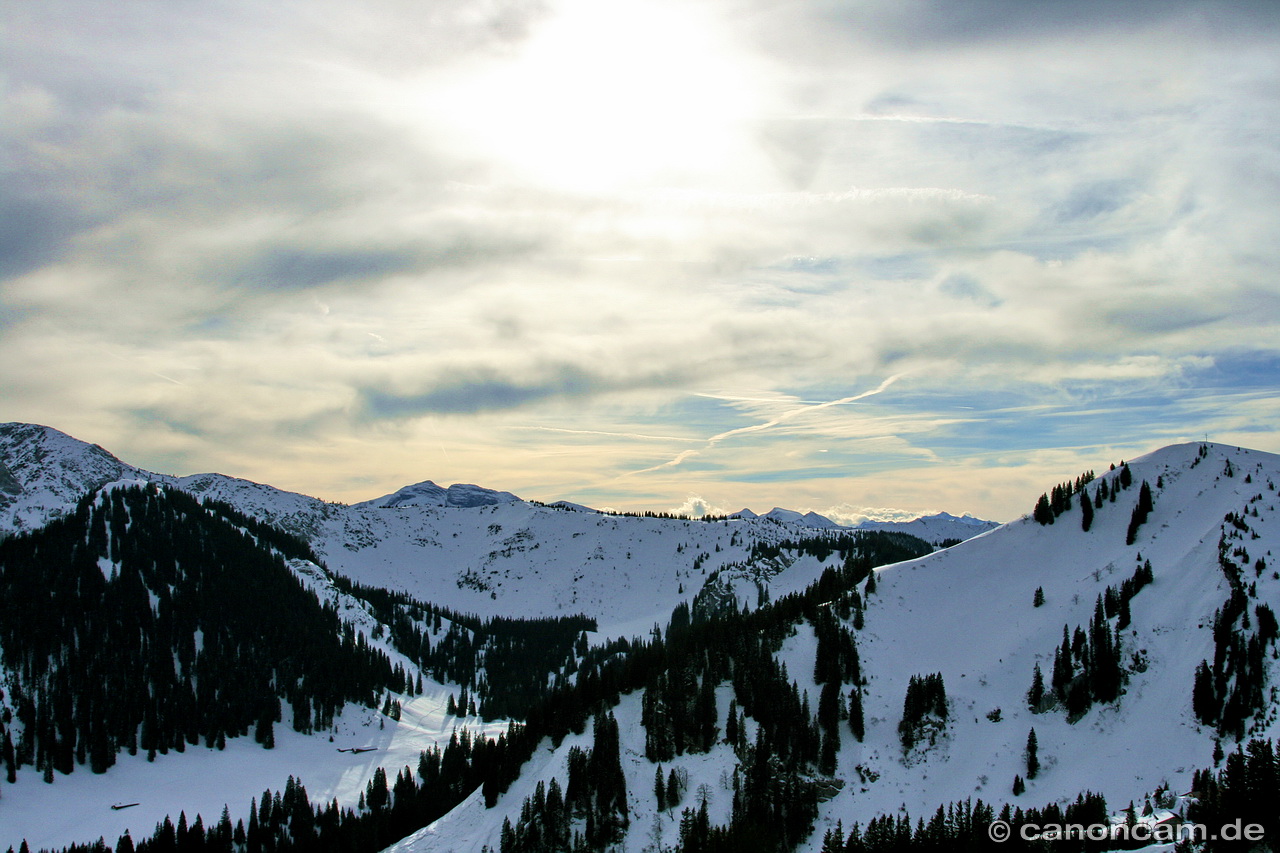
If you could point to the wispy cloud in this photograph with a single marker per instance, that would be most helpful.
(777, 420)
(337, 244)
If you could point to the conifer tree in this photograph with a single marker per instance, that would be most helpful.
(1140, 512)
(731, 735)
(856, 723)
(1123, 614)
(1086, 512)
(1033, 757)
(1204, 700)
(1035, 695)
(1043, 512)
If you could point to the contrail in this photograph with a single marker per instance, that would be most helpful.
(779, 419)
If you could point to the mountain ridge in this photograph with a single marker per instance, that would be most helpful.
(494, 555)
(87, 466)
(1170, 570)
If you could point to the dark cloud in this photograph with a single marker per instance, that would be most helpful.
(928, 24)
(483, 390)
(298, 269)
(1242, 369)
(289, 268)
(1163, 313)
(118, 55)
(33, 231)
(460, 397)
(10, 316)
(148, 417)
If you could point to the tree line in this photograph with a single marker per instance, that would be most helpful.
(146, 621)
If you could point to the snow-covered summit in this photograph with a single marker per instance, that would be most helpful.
(937, 528)
(570, 505)
(43, 471)
(428, 493)
(806, 519)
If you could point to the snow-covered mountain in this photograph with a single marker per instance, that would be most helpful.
(469, 549)
(969, 613)
(806, 519)
(983, 615)
(428, 493)
(472, 549)
(936, 529)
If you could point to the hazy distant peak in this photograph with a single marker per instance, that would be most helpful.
(959, 519)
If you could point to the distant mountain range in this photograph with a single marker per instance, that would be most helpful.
(43, 471)
(937, 528)
(474, 549)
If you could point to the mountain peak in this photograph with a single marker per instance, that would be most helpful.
(428, 493)
(43, 467)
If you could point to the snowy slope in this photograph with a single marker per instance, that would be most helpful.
(965, 612)
(968, 613)
(77, 808)
(520, 558)
(471, 828)
(204, 781)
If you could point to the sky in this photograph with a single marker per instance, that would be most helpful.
(873, 258)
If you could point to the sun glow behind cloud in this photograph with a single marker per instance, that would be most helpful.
(603, 97)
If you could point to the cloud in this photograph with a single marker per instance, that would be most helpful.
(249, 226)
(695, 506)
(775, 420)
(851, 515)
(34, 231)
(467, 391)
(304, 268)
(924, 26)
